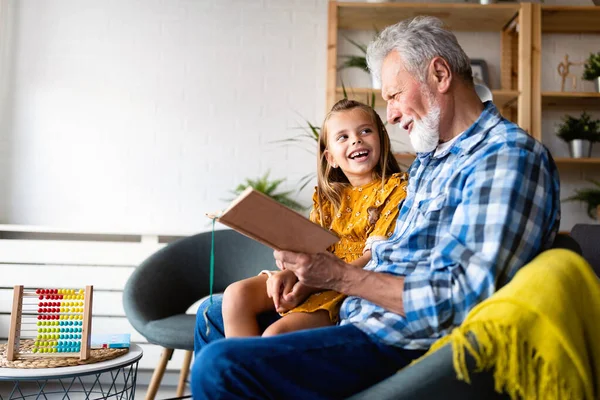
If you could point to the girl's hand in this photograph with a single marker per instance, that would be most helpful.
(298, 294)
(278, 285)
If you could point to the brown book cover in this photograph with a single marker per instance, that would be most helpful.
(269, 222)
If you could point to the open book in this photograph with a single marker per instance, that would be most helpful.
(269, 222)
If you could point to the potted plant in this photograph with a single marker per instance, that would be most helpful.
(581, 133)
(591, 70)
(270, 187)
(591, 197)
(359, 61)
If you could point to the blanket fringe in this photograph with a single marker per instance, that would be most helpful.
(519, 369)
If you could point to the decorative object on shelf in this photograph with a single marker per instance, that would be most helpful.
(591, 70)
(57, 321)
(581, 133)
(360, 62)
(480, 72)
(266, 186)
(563, 70)
(591, 197)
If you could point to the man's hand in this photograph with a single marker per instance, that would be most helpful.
(322, 270)
(326, 271)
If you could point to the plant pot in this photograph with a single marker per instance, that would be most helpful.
(487, 1)
(375, 83)
(580, 148)
(597, 84)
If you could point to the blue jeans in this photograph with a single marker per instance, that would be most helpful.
(325, 363)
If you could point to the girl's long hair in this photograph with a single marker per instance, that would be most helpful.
(331, 181)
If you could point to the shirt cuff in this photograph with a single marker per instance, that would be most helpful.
(371, 240)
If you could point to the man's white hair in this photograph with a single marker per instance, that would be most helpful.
(418, 41)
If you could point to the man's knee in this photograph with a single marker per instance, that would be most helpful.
(211, 365)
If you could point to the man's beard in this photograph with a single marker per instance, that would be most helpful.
(425, 133)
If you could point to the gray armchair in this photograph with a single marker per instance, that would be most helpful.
(165, 285)
(434, 377)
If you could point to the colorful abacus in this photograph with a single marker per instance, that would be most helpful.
(58, 320)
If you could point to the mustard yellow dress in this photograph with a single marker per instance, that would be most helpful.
(367, 214)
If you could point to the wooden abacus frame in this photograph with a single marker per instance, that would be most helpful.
(14, 334)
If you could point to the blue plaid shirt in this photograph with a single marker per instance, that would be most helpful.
(473, 215)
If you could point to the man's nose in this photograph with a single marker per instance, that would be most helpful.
(393, 115)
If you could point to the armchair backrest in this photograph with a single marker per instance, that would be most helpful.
(588, 237)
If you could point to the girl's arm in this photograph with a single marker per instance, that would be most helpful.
(362, 260)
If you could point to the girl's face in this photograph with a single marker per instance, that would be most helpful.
(353, 145)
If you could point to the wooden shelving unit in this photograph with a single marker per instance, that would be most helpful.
(513, 21)
(571, 99)
(459, 17)
(569, 19)
(559, 19)
(566, 161)
(502, 98)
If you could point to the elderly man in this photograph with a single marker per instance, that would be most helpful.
(483, 200)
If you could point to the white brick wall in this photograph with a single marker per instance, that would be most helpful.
(142, 115)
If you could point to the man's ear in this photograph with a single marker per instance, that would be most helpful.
(440, 74)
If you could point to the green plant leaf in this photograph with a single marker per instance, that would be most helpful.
(362, 47)
(269, 187)
(591, 68)
(579, 128)
(589, 196)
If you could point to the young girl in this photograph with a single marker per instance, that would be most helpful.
(359, 189)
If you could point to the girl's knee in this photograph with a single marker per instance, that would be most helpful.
(273, 330)
(244, 295)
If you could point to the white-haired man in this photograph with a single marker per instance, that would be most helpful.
(482, 201)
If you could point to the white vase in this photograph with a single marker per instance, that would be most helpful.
(597, 84)
(580, 148)
(487, 1)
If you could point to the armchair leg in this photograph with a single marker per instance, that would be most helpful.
(185, 369)
(159, 371)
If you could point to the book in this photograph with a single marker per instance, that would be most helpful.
(269, 222)
(110, 341)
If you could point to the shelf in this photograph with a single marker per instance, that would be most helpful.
(566, 161)
(458, 17)
(579, 99)
(570, 19)
(502, 98)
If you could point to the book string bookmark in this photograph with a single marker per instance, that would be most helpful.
(212, 271)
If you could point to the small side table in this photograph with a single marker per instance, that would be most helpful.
(112, 379)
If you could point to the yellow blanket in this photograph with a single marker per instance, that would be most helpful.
(540, 333)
